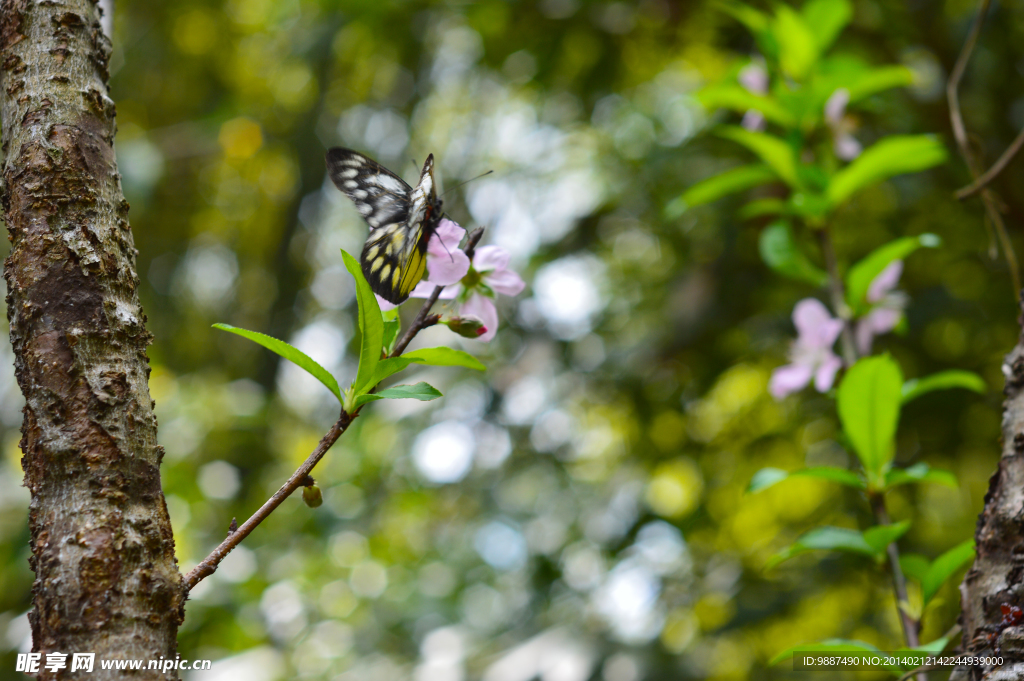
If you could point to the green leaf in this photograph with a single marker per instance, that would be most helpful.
(894, 155)
(945, 566)
(825, 19)
(388, 367)
(775, 152)
(869, 408)
(714, 188)
(290, 353)
(391, 329)
(878, 80)
(780, 252)
(755, 20)
(438, 357)
(757, 23)
(760, 207)
(880, 536)
(920, 472)
(444, 357)
(832, 645)
(738, 98)
(934, 647)
(828, 539)
(859, 279)
(766, 477)
(953, 378)
(421, 391)
(371, 327)
(798, 47)
(914, 565)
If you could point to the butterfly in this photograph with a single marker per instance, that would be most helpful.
(402, 219)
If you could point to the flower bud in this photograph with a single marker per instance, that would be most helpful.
(312, 496)
(467, 327)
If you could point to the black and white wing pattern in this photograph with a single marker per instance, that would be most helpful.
(381, 197)
(401, 218)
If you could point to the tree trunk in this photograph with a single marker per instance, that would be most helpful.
(992, 593)
(102, 549)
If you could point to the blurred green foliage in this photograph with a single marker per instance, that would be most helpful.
(579, 511)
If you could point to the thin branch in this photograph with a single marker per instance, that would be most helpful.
(952, 87)
(424, 319)
(911, 626)
(209, 564)
(954, 630)
(963, 143)
(998, 167)
(300, 478)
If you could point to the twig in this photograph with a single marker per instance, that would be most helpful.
(998, 167)
(835, 286)
(931, 667)
(952, 87)
(301, 477)
(919, 671)
(963, 143)
(424, 319)
(209, 564)
(911, 626)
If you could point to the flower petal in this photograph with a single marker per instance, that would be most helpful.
(425, 289)
(846, 147)
(884, 319)
(490, 258)
(835, 107)
(754, 121)
(446, 268)
(384, 305)
(864, 335)
(754, 78)
(885, 281)
(483, 308)
(816, 327)
(826, 372)
(505, 282)
(788, 379)
(447, 237)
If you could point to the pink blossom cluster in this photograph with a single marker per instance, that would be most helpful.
(811, 356)
(474, 284)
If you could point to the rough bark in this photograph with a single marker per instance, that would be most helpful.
(992, 593)
(102, 549)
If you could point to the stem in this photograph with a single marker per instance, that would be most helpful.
(911, 626)
(209, 564)
(300, 477)
(838, 295)
(973, 165)
(994, 171)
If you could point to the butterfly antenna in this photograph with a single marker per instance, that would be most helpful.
(450, 256)
(467, 182)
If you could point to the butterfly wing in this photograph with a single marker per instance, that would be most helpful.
(402, 220)
(381, 197)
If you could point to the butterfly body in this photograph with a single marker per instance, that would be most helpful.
(402, 219)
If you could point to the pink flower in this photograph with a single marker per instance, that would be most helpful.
(446, 263)
(754, 78)
(811, 355)
(474, 284)
(887, 307)
(844, 144)
(488, 277)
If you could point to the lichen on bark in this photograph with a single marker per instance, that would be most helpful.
(102, 548)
